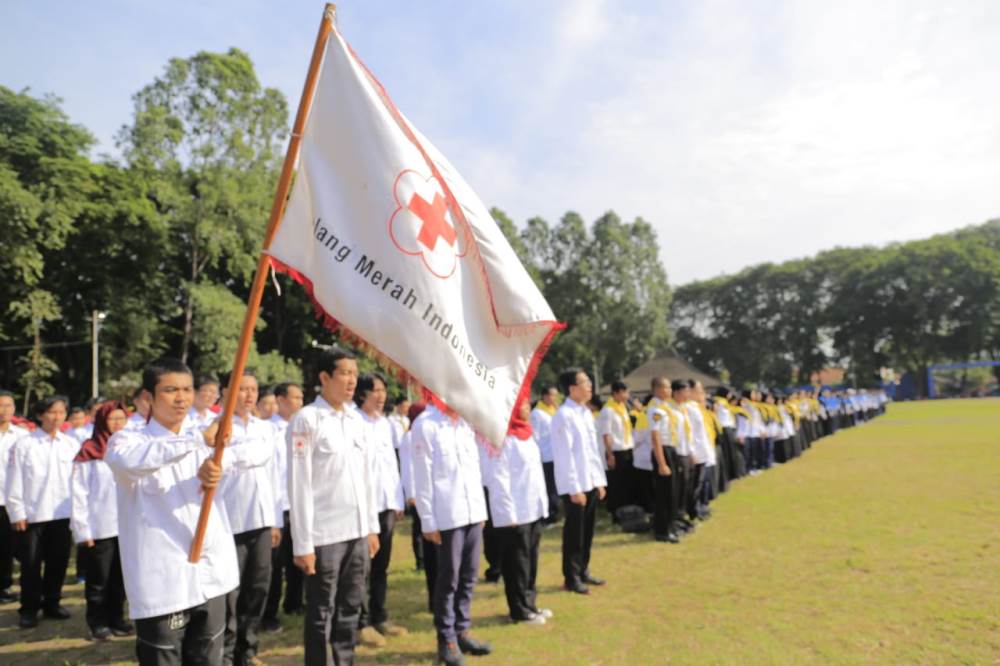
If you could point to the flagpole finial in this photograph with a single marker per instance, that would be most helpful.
(331, 11)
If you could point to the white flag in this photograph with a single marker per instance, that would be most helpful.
(397, 248)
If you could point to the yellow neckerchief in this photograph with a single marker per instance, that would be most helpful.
(793, 409)
(725, 404)
(687, 421)
(739, 411)
(641, 420)
(712, 424)
(671, 417)
(551, 411)
(622, 411)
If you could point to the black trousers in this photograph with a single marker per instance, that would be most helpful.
(645, 492)
(621, 482)
(192, 637)
(491, 547)
(283, 564)
(105, 589)
(549, 470)
(333, 602)
(578, 536)
(45, 543)
(416, 536)
(6, 550)
(430, 570)
(245, 604)
(666, 494)
(519, 545)
(378, 577)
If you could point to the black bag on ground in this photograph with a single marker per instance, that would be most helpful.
(632, 518)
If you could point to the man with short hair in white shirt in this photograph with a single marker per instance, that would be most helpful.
(518, 503)
(38, 502)
(580, 478)
(206, 394)
(399, 421)
(140, 417)
(253, 505)
(289, 397)
(449, 492)
(333, 511)
(614, 427)
(162, 471)
(370, 396)
(541, 426)
(9, 434)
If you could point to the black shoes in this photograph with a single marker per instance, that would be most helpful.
(450, 655)
(28, 621)
(591, 580)
(100, 633)
(7, 597)
(470, 645)
(122, 628)
(492, 576)
(271, 625)
(57, 613)
(579, 588)
(669, 537)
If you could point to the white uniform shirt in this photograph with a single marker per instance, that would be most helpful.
(159, 500)
(251, 496)
(642, 455)
(331, 485)
(743, 427)
(38, 477)
(577, 456)
(400, 425)
(610, 423)
(83, 433)
(516, 482)
(757, 428)
(406, 465)
(447, 483)
(280, 460)
(541, 426)
(726, 419)
(95, 502)
(199, 421)
(7, 440)
(659, 420)
(701, 447)
(388, 487)
(135, 422)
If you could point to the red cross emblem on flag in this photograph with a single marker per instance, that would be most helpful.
(423, 225)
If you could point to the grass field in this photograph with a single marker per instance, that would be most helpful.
(880, 545)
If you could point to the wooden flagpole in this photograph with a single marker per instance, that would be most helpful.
(263, 264)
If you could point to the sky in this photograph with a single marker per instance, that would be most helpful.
(743, 132)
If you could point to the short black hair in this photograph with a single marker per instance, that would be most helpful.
(281, 390)
(264, 391)
(596, 402)
(136, 393)
(648, 399)
(45, 404)
(226, 377)
(329, 358)
(692, 383)
(567, 378)
(366, 384)
(678, 385)
(93, 402)
(722, 392)
(618, 385)
(205, 379)
(165, 366)
(77, 410)
(546, 388)
(6, 394)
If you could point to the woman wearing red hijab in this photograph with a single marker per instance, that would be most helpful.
(94, 522)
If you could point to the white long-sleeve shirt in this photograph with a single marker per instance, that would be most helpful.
(94, 512)
(136, 422)
(388, 485)
(406, 465)
(331, 485)
(610, 423)
(516, 483)
(577, 456)
(7, 439)
(81, 434)
(447, 482)
(642, 455)
(280, 460)
(251, 495)
(200, 421)
(541, 426)
(400, 426)
(159, 501)
(701, 448)
(38, 477)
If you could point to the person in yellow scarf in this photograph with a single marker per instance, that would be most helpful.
(614, 429)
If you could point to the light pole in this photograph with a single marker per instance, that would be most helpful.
(96, 317)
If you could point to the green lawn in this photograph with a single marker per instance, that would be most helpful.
(880, 545)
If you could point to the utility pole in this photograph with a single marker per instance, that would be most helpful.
(96, 317)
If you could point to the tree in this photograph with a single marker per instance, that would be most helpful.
(208, 138)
